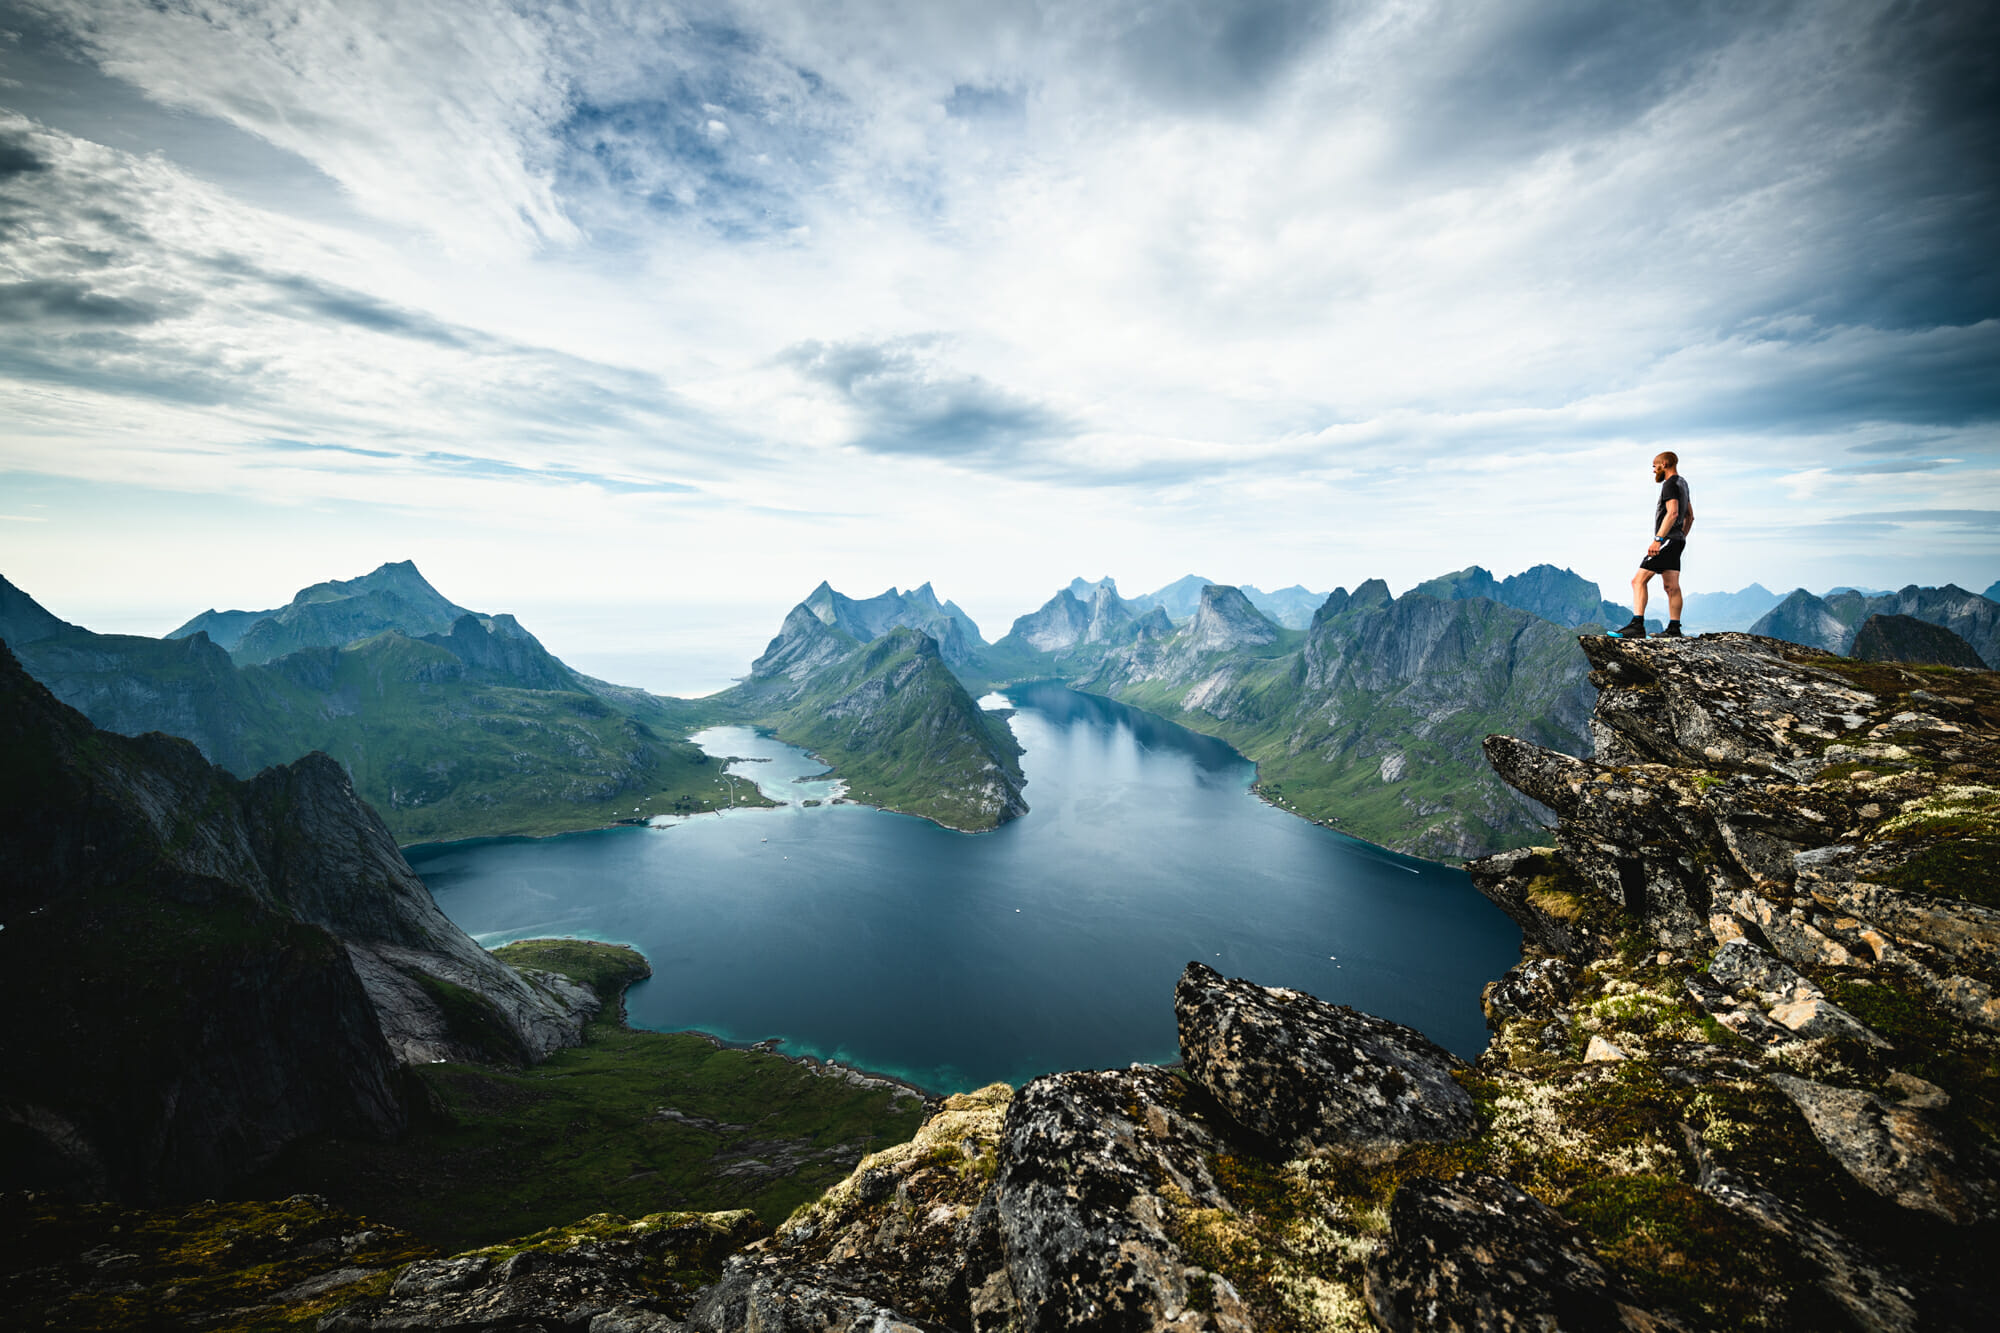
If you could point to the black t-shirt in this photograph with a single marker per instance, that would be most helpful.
(1674, 488)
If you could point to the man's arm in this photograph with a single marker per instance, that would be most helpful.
(1667, 524)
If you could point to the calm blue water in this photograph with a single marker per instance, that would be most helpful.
(954, 959)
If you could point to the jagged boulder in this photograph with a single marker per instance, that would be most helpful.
(1078, 1230)
(1316, 1076)
(1476, 1253)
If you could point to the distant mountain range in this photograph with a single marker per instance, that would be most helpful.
(1361, 709)
(867, 687)
(1833, 622)
(450, 728)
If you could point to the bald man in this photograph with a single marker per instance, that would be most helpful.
(1673, 518)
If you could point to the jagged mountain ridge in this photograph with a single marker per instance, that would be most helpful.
(1559, 596)
(1372, 718)
(250, 960)
(867, 619)
(1831, 622)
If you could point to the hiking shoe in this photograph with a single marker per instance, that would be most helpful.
(1635, 628)
(1672, 631)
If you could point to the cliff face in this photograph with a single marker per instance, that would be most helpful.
(215, 967)
(1374, 719)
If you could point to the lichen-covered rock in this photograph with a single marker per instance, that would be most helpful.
(628, 1275)
(1313, 1075)
(1078, 1230)
(1532, 988)
(896, 1230)
(782, 1302)
(1476, 1253)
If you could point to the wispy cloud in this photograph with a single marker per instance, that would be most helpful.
(1298, 276)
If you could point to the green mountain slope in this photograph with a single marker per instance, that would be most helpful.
(476, 731)
(890, 717)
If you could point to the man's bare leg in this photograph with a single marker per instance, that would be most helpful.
(1639, 582)
(1671, 581)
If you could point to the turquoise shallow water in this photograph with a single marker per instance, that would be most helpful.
(955, 959)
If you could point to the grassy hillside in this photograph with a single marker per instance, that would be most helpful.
(632, 1122)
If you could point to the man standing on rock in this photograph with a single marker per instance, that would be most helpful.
(1673, 518)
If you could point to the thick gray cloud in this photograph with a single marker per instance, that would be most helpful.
(53, 303)
(905, 402)
(1213, 53)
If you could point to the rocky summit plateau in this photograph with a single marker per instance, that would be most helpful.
(1746, 1075)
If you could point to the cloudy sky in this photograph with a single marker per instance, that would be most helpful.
(639, 318)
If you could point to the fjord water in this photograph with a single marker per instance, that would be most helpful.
(954, 959)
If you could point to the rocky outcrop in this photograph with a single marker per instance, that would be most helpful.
(603, 1275)
(1771, 890)
(1893, 638)
(218, 967)
(1315, 1076)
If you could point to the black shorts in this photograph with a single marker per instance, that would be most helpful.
(1667, 557)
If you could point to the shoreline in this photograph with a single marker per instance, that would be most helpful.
(1332, 826)
(824, 1068)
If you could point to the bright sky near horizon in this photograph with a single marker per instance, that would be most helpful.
(638, 320)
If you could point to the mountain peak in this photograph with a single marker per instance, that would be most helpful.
(1226, 619)
(25, 620)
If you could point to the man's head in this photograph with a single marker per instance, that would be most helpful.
(1665, 465)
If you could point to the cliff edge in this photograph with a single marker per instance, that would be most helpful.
(199, 970)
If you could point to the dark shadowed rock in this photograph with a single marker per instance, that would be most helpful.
(1894, 1150)
(1476, 1253)
(603, 1274)
(1887, 638)
(782, 1303)
(1313, 1075)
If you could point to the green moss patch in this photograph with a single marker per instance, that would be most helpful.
(1964, 868)
(1686, 1254)
(221, 1266)
(606, 968)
